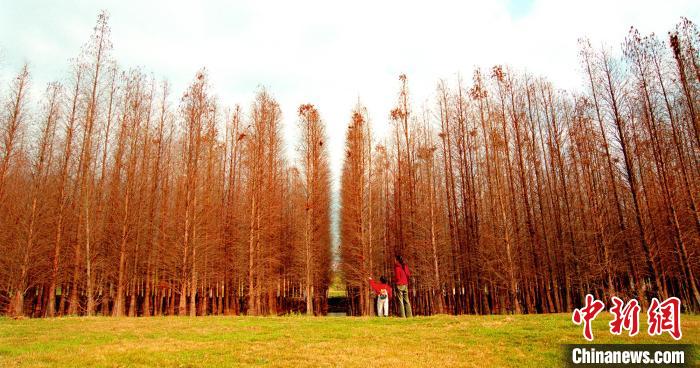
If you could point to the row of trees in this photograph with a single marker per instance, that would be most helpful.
(509, 196)
(506, 196)
(112, 201)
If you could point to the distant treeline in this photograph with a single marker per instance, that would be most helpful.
(124, 205)
(510, 196)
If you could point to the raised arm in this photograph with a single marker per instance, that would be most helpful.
(373, 285)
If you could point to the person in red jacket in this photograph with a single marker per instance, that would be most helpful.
(383, 291)
(401, 275)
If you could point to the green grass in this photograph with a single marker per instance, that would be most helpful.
(336, 293)
(337, 288)
(465, 341)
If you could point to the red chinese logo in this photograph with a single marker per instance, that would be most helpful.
(665, 317)
(626, 316)
(587, 314)
(662, 316)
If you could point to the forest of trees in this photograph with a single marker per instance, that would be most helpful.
(116, 203)
(505, 195)
(510, 196)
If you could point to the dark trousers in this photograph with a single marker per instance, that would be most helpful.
(404, 302)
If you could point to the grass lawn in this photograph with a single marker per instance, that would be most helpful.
(465, 341)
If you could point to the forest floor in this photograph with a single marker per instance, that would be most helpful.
(465, 341)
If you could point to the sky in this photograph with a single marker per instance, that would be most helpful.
(328, 53)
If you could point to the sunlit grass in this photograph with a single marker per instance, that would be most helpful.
(472, 341)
